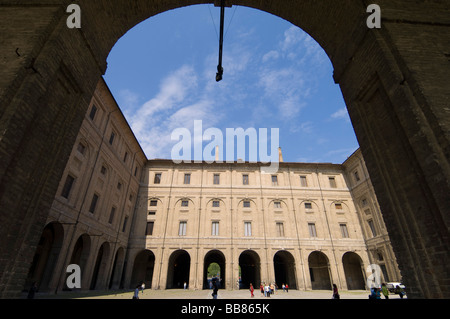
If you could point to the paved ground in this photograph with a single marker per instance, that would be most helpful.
(206, 294)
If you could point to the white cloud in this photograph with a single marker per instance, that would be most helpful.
(341, 114)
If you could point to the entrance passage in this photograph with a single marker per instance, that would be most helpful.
(214, 266)
(45, 257)
(284, 266)
(353, 271)
(178, 271)
(319, 270)
(143, 269)
(250, 266)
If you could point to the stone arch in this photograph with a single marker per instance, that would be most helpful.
(178, 269)
(284, 268)
(143, 267)
(319, 271)
(353, 269)
(80, 255)
(250, 267)
(117, 268)
(46, 256)
(214, 256)
(397, 107)
(101, 267)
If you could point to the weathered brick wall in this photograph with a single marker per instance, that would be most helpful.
(394, 81)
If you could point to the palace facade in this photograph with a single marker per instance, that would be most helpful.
(125, 219)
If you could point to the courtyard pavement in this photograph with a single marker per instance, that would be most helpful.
(206, 294)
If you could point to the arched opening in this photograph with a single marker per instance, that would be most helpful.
(214, 267)
(178, 270)
(143, 267)
(284, 266)
(319, 271)
(80, 255)
(100, 267)
(250, 269)
(45, 257)
(116, 272)
(353, 269)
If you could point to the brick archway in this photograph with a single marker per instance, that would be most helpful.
(394, 81)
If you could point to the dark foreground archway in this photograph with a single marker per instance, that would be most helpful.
(394, 81)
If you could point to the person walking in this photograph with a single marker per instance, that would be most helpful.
(385, 291)
(261, 288)
(335, 292)
(251, 291)
(215, 289)
(143, 287)
(136, 292)
(287, 287)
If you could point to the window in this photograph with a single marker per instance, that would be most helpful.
(277, 205)
(103, 170)
(119, 186)
(364, 202)
(338, 206)
(215, 229)
(111, 138)
(372, 227)
(182, 229)
(344, 230)
(81, 148)
(216, 203)
(153, 202)
(149, 229)
(125, 157)
(303, 181)
(67, 186)
(245, 179)
(357, 176)
(184, 203)
(152, 212)
(280, 230)
(130, 198)
(247, 229)
(332, 182)
(308, 206)
(274, 180)
(111, 215)
(125, 221)
(246, 203)
(93, 112)
(93, 203)
(157, 178)
(135, 171)
(312, 230)
(216, 180)
(187, 179)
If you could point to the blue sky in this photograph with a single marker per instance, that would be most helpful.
(162, 74)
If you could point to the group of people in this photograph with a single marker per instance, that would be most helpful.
(375, 293)
(269, 289)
